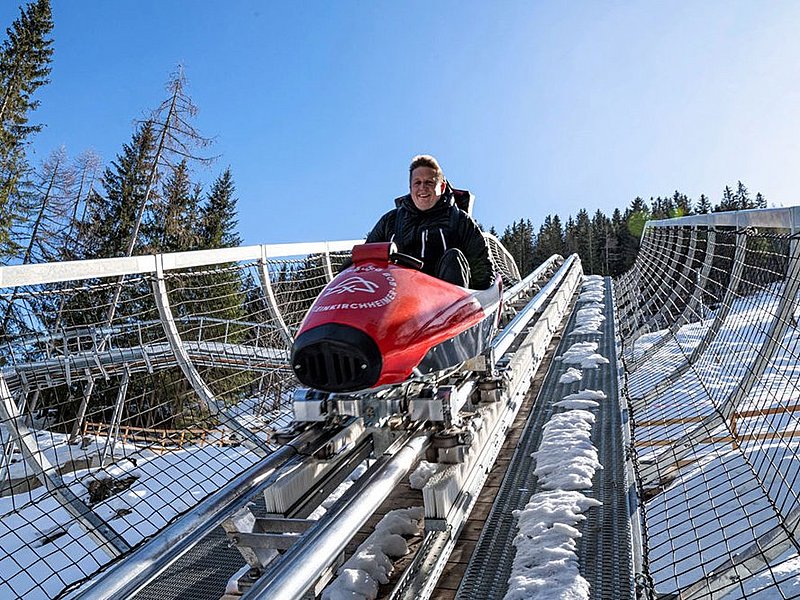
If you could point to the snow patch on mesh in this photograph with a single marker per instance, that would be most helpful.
(546, 565)
(567, 459)
(583, 399)
(583, 354)
(571, 376)
(589, 319)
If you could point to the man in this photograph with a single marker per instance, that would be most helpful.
(429, 226)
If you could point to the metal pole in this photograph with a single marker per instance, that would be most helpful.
(113, 430)
(301, 566)
(503, 342)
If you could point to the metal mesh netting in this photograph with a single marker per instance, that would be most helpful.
(708, 319)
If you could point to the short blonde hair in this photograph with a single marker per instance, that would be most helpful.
(425, 160)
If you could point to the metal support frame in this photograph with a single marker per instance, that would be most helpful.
(710, 333)
(327, 264)
(666, 463)
(81, 415)
(190, 372)
(298, 569)
(100, 532)
(271, 300)
(116, 418)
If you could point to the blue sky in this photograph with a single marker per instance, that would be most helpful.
(537, 107)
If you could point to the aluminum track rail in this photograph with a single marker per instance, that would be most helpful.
(302, 565)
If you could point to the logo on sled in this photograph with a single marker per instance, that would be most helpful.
(352, 285)
(373, 291)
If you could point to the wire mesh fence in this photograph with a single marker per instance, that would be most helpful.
(711, 353)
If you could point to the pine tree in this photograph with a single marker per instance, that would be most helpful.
(550, 240)
(171, 224)
(728, 202)
(24, 66)
(614, 256)
(634, 219)
(682, 204)
(742, 197)
(110, 226)
(217, 227)
(583, 241)
(703, 205)
(518, 240)
(600, 231)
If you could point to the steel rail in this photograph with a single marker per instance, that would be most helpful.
(510, 332)
(531, 279)
(301, 566)
(128, 577)
(54, 272)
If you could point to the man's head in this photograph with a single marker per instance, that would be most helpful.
(426, 181)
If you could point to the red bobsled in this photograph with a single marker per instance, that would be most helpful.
(381, 320)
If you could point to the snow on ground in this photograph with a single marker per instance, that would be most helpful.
(716, 504)
(723, 364)
(687, 535)
(53, 448)
(371, 564)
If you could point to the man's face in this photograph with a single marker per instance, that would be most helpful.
(426, 187)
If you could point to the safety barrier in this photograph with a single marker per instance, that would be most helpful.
(711, 380)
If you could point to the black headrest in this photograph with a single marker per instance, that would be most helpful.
(463, 199)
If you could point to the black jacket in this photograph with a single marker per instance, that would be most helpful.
(427, 234)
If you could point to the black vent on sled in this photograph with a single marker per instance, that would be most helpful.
(336, 358)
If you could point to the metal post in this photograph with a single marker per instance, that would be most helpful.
(185, 363)
(272, 302)
(113, 430)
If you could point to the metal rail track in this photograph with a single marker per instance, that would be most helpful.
(301, 566)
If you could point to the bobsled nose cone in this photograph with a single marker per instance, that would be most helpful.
(336, 358)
